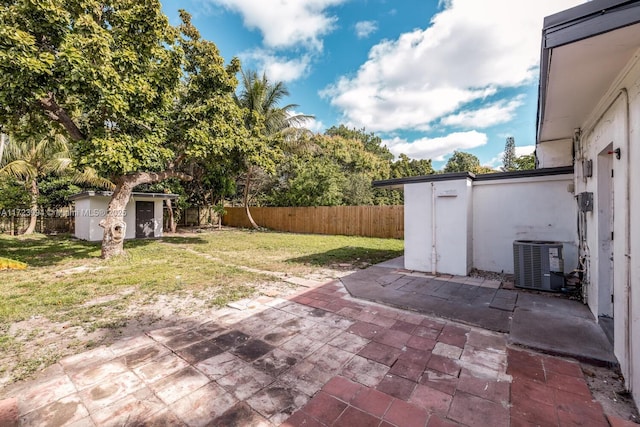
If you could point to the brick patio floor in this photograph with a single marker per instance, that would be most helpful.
(318, 359)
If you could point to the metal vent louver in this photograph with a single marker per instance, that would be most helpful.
(538, 265)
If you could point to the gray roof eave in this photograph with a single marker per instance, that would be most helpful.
(87, 194)
(578, 23)
(383, 183)
(396, 182)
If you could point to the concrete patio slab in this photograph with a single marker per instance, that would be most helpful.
(563, 335)
(323, 358)
(546, 322)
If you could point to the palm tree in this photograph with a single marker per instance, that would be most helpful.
(32, 158)
(261, 99)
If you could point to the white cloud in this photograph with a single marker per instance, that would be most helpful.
(470, 50)
(493, 114)
(286, 23)
(278, 68)
(365, 28)
(436, 148)
(315, 126)
(312, 124)
(524, 150)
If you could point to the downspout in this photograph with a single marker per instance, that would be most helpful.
(434, 253)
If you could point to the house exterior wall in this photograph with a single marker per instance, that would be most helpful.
(91, 210)
(534, 208)
(634, 235)
(555, 153)
(453, 232)
(615, 123)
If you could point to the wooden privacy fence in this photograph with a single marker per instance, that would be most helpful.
(45, 225)
(368, 221)
(196, 216)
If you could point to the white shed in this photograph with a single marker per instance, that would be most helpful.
(454, 222)
(143, 215)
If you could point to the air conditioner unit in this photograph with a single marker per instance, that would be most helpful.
(538, 265)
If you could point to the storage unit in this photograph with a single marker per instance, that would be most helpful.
(538, 265)
(142, 216)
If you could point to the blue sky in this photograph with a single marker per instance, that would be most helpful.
(427, 76)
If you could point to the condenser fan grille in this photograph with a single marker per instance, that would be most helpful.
(538, 265)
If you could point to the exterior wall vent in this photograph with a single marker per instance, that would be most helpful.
(538, 265)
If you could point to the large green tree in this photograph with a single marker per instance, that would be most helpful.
(509, 156)
(404, 167)
(525, 162)
(370, 141)
(465, 162)
(332, 170)
(141, 100)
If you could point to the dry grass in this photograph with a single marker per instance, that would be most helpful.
(69, 299)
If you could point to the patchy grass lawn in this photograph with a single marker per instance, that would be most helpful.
(69, 299)
(65, 274)
(295, 253)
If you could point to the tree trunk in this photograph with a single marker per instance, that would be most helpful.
(245, 199)
(2, 142)
(34, 208)
(114, 226)
(172, 219)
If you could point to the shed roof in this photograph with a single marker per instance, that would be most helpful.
(396, 182)
(87, 194)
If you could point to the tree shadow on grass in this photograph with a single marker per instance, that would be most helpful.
(179, 240)
(357, 256)
(42, 251)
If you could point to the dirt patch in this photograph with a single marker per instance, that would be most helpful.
(607, 387)
(29, 346)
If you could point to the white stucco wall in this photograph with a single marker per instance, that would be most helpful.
(417, 227)
(608, 133)
(453, 226)
(90, 211)
(453, 232)
(82, 224)
(87, 217)
(615, 123)
(535, 208)
(553, 154)
(634, 235)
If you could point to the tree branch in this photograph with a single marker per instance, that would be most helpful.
(58, 114)
(139, 178)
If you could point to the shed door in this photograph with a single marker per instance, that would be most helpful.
(144, 220)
